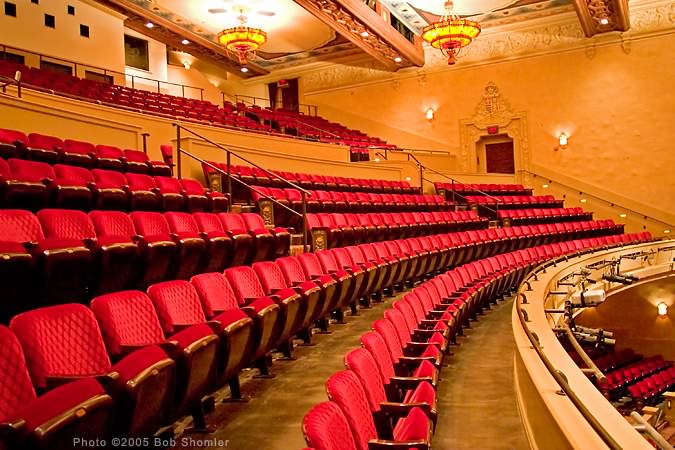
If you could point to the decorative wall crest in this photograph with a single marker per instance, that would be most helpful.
(492, 109)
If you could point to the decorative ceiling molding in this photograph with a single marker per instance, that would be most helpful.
(602, 16)
(366, 29)
(649, 18)
(172, 34)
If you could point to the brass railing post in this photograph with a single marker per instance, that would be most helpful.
(179, 154)
(145, 142)
(304, 221)
(229, 176)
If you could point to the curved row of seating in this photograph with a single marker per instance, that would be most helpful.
(517, 201)
(465, 189)
(648, 391)
(386, 397)
(137, 100)
(335, 201)
(542, 215)
(258, 177)
(35, 185)
(620, 380)
(337, 230)
(280, 298)
(52, 149)
(66, 255)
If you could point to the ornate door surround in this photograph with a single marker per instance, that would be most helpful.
(493, 110)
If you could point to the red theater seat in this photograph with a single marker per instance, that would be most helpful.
(190, 248)
(79, 409)
(78, 153)
(64, 343)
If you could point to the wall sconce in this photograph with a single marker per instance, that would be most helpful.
(187, 64)
(662, 309)
(562, 142)
(408, 179)
(430, 114)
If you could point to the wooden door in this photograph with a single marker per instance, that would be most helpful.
(499, 158)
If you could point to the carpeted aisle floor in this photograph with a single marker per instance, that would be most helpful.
(477, 407)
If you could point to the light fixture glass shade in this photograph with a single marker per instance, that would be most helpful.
(242, 40)
(662, 309)
(451, 33)
(562, 139)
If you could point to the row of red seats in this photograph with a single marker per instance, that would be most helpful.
(157, 103)
(619, 379)
(336, 201)
(250, 310)
(542, 201)
(35, 185)
(67, 255)
(543, 215)
(387, 394)
(649, 390)
(616, 360)
(51, 149)
(337, 230)
(482, 188)
(258, 177)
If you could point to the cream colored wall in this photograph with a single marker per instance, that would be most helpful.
(615, 105)
(157, 64)
(102, 48)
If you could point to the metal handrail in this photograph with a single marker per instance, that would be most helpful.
(218, 169)
(304, 193)
(16, 80)
(222, 147)
(303, 215)
(558, 376)
(454, 193)
(321, 130)
(102, 69)
(243, 98)
(645, 427)
(598, 198)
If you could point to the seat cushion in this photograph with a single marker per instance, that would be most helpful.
(59, 243)
(59, 400)
(261, 303)
(229, 317)
(137, 361)
(425, 369)
(192, 334)
(412, 428)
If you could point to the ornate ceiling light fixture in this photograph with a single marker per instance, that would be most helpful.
(451, 33)
(242, 40)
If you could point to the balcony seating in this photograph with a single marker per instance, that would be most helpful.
(240, 329)
(190, 248)
(44, 148)
(275, 283)
(282, 237)
(218, 246)
(261, 244)
(543, 215)
(77, 409)
(63, 343)
(249, 291)
(78, 153)
(411, 430)
(129, 321)
(461, 189)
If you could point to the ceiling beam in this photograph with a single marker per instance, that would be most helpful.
(602, 16)
(172, 34)
(366, 29)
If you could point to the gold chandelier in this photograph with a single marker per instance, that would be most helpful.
(242, 40)
(451, 33)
